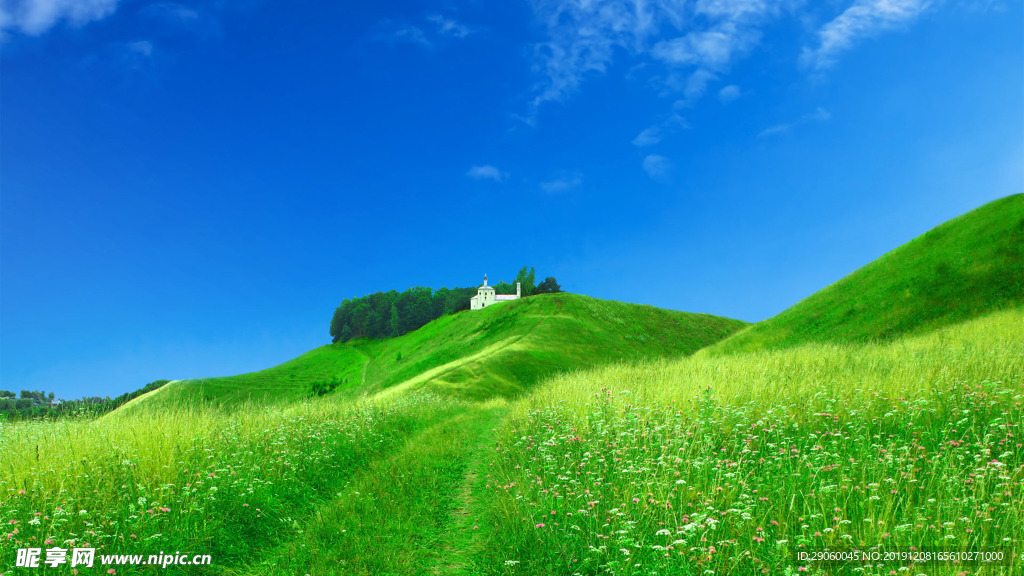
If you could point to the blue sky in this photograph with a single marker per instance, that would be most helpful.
(190, 189)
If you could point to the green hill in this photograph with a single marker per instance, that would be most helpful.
(964, 268)
(499, 351)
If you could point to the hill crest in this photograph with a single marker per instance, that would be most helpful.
(964, 268)
(501, 350)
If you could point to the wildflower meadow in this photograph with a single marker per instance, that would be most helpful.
(710, 464)
(231, 484)
(731, 465)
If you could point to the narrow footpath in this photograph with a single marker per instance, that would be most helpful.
(413, 513)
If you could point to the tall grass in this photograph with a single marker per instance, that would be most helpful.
(964, 268)
(401, 515)
(709, 464)
(228, 484)
(730, 464)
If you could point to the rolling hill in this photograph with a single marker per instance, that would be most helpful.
(499, 351)
(868, 427)
(962, 269)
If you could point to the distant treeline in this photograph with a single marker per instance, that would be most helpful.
(37, 404)
(393, 313)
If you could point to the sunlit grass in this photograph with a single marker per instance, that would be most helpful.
(502, 351)
(964, 268)
(228, 484)
(726, 465)
(707, 464)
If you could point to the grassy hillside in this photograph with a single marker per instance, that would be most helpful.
(729, 464)
(282, 383)
(964, 268)
(505, 349)
(708, 463)
(499, 351)
(231, 484)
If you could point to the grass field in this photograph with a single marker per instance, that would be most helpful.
(720, 463)
(961, 269)
(499, 351)
(728, 465)
(567, 435)
(195, 479)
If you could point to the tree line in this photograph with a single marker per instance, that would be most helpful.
(393, 313)
(38, 404)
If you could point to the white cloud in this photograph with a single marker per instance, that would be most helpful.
(486, 172)
(648, 137)
(401, 32)
(137, 55)
(862, 20)
(729, 93)
(696, 42)
(657, 167)
(560, 185)
(697, 84)
(202, 20)
(583, 37)
(653, 134)
(395, 31)
(775, 130)
(712, 49)
(819, 115)
(34, 17)
(172, 11)
(140, 47)
(733, 8)
(450, 27)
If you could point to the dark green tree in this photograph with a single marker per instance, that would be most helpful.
(502, 287)
(527, 281)
(392, 313)
(395, 320)
(548, 286)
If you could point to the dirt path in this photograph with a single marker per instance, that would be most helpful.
(465, 534)
(511, 343)
(366, 363)
(432, 373)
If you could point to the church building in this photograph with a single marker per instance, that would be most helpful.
(485, 296)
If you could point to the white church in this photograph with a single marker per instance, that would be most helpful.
(485, 296)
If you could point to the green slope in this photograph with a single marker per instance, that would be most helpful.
(499, 351)
(964, 268)
(284, 382)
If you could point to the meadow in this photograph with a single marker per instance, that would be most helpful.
(730, 464)
(566, 435)
(193, 479)
(710, 464)
(500, 351)
(242, 467)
